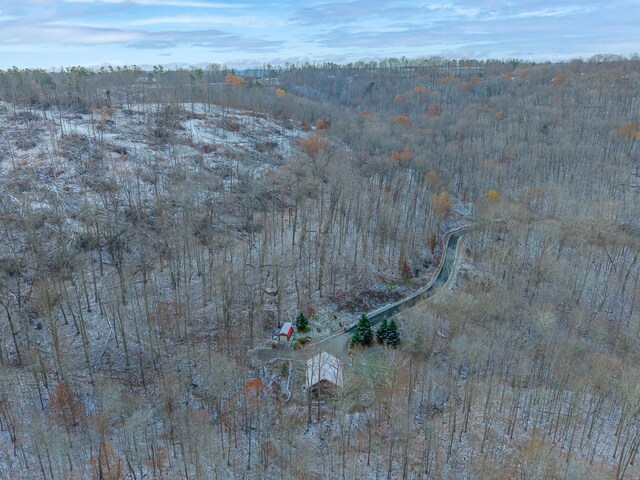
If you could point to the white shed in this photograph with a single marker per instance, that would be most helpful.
(324, 376)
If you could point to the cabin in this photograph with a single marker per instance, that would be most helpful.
(324, 377)
(285, 332)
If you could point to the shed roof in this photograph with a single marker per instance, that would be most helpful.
(324, 366)
(287, 329)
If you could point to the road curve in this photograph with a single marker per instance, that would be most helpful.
(337, 343)
(446, 269)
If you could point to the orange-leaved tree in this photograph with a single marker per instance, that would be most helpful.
(65, 407)
(323, 124)
(630, 130)
(253, 385)
(312, 145)
(434, 111)
(234, 80)
(403, 157)
(442, 204)
(493, 195)
(403, 119)
(431, 179)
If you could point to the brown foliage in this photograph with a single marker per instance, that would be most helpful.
(447, 79)
(312, 145)
(493, 195)
(107, 464)
(434, 111)
(431, 241)
(442, 204)
(234, 80)
(431, 179)
(167, 312)
(64, 405)
(630, 130)
(254, 386)
(398, 98)
(323, 124)
(403, 157)
(157, 459)
(421, 89)
(403, 119)
(403, 264)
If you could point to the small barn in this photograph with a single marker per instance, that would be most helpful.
(324, 377)
(285, 332)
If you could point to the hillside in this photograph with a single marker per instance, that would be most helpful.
(159, 228)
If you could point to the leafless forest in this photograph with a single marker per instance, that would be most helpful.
(157, 227)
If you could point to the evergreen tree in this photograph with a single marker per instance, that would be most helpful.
(393, 336)
(383, 331)
(356, 339)
(302, 322)
(364, 325)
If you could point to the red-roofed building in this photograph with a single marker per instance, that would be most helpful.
(285, 332)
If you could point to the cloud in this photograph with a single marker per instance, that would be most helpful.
(453, 26)
(407, 37)
(235, 21)
(66, 35)
(552, 12)
(216, 40)
(245, 31)
(408, 11)
(166, 3)
(113, 23)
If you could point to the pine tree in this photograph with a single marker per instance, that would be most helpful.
(302, 322)
(365, 329)
(357, 337)
(363, 333)
(393, 336)
(383, 331)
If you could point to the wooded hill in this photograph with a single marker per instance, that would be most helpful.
(158, 225)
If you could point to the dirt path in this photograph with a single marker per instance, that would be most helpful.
(337, 344)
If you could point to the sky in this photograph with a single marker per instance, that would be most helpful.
(240, 34)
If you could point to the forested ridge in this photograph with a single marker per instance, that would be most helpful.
(158, 226)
